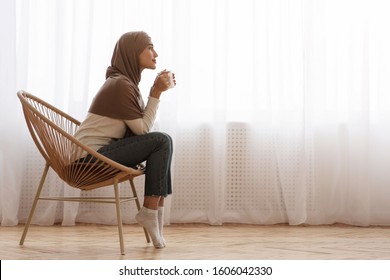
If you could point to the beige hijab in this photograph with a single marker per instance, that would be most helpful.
(120, 97)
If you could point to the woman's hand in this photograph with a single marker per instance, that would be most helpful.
(162, 83)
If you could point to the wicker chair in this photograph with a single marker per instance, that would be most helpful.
(52, 131)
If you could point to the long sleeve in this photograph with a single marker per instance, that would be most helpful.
(144, 125)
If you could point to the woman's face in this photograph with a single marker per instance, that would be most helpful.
(147, 59)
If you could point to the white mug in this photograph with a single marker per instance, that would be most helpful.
(170, 79)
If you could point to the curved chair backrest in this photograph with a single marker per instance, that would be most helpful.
(78, 165)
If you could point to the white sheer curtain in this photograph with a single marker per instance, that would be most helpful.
(281, 112)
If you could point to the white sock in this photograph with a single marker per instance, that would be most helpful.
(148, 219)
(160, 216)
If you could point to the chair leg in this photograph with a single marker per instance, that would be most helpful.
(37, 195)
(119, 217)
(138, 207)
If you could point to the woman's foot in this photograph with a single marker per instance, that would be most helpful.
(160, 218)
(148, 218)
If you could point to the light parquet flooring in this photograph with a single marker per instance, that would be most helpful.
(199, 242)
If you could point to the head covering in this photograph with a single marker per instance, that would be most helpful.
(120, 97)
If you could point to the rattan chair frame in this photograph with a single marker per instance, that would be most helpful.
(76, 164)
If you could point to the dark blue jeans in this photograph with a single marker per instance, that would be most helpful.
(156, 149)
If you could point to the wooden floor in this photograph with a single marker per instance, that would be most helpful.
(199, 242)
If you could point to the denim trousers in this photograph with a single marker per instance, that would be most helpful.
(156, 149)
